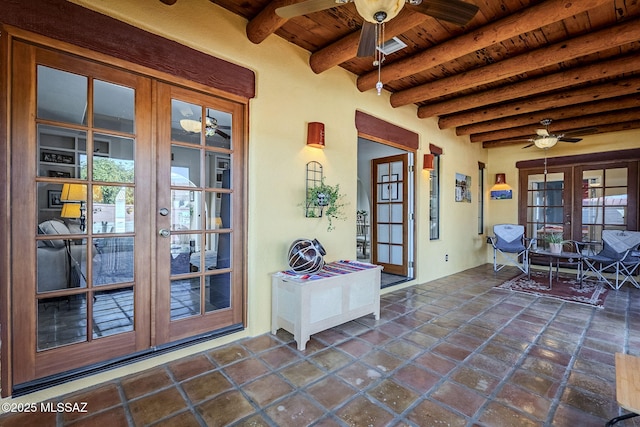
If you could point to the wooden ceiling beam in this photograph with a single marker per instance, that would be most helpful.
(347, 47)
(601, 91)
(267, 21)
(526, 20)
(564, 79)
(560, 126)
(618, 35)
(562, 113)
(605, 128)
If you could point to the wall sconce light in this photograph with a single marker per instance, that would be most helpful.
(73, 198)
(501, 183)
(501, 190)
(315, 135)
(427, 163)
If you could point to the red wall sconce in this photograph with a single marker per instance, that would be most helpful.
(315, 135)
(427, 163)
(501, 190)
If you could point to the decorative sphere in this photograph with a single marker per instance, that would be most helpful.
(305, 256)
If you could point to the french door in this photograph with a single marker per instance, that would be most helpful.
(199, 215)
(579, 202)
(127, 222)
(548, 204)
(391, 241)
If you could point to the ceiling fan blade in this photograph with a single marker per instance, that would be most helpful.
(305, 8)
(223, 134)
(583, 131)
(367, 44)
(455, 11)
(168, 2)
(528, 145)
(565, 139)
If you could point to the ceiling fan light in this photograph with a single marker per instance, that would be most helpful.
(190, 125)
(546, 142)
(368, 9)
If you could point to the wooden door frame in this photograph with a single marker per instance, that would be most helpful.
(32, 364)
(629, 158)
(391, 268)
(386, 133)
(96, 36)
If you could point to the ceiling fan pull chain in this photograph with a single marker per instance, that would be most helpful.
(379, 54)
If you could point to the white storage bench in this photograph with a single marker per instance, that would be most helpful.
(340, 292)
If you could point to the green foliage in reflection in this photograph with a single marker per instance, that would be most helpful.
(110, 170)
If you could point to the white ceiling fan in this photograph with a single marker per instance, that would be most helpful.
(379, 11)
(545, 139)
(376, 12)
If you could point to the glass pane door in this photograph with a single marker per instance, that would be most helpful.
(80, 297)
(548, 206)
(604, 201)
(201, 286)
(390, 222)
(86, 199)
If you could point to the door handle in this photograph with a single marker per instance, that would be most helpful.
(164, 232)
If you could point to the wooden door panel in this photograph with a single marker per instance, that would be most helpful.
(389, 225)
(60, 328)
(201, 186)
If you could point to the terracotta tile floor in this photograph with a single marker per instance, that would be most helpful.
(452, 352)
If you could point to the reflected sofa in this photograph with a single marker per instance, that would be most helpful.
(60, 261)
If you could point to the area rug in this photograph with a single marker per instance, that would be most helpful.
(565, 288)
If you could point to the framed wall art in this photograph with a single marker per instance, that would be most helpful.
(463, 188)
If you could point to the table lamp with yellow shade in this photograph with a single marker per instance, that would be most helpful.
(73, 198)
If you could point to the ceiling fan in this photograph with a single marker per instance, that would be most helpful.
(545, 139)
(211, 127)
(377, 12)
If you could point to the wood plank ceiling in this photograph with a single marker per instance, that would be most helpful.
(515, 63)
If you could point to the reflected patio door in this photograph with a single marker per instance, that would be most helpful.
(199, 239)
(390, 178)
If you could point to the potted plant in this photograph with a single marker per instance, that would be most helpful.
(325, 199)
(555, 243)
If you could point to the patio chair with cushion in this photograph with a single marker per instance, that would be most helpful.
(629, 267)
(510, 246)
(617, 259)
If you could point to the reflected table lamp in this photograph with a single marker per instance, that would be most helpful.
(73, 198)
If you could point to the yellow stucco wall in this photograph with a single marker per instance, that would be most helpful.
(288, 96)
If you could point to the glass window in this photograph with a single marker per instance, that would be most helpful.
(85, 187)
(113, 107)
(218, 129)
(480, 198)
(545, 206)
(604, 201)
(434, 199)
(62, 96)
(186, 122)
